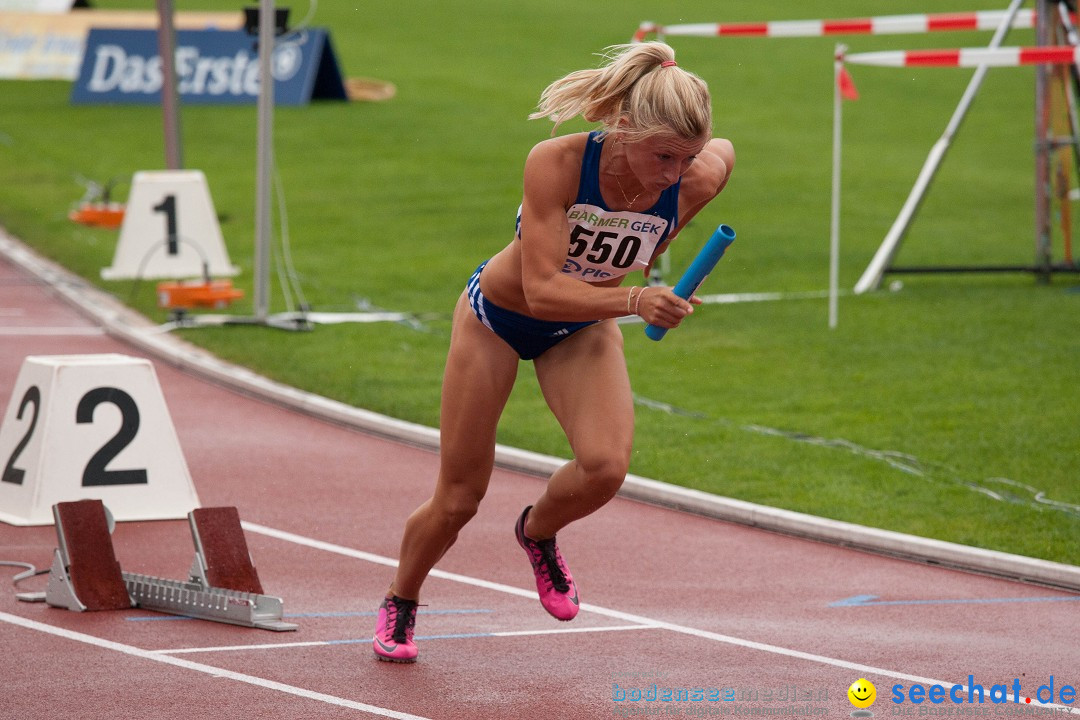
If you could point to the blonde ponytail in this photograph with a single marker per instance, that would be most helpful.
(639, 83)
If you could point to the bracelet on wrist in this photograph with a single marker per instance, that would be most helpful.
(637, 304)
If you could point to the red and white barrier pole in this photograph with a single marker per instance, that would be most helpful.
(881, 25)
(971, 57)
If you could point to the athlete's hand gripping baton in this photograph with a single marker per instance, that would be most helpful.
(697, 272)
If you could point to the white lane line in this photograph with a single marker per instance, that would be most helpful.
(562, 631)
(206, 669)
(267, 646)
(50, 331)
(731, 298)
(632, 618)
(324, 643)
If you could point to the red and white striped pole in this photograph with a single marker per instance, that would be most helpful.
(881, 25)
(971, 57)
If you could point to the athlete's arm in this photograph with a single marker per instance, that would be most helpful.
(551, 176)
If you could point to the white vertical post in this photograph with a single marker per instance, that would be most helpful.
(871, 277)
(1070, 30)
(264, 161)
(834, 231)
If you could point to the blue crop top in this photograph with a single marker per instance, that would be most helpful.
(607, 243)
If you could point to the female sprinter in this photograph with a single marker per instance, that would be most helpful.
(596, 207)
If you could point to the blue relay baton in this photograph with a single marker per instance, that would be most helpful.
(697, 272)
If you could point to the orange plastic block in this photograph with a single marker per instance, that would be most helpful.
(106, 215)
(184, 295)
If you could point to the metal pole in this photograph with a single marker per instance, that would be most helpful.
(871, 277)
(1043, 144)
(264, 161)
(170, 102)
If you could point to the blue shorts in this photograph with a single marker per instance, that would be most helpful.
(528, 336)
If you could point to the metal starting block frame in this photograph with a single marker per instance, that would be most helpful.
(197, 600)
(220, 550)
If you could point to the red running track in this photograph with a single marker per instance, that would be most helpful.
(670, 600)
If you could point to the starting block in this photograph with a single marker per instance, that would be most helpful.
(86, 576)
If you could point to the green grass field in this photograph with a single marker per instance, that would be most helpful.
(948, 409)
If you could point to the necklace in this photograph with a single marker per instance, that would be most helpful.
(629, 202)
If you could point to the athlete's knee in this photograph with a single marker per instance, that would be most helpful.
(456, 506)
(604, 470)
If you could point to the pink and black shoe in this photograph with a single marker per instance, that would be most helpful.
(393, 641)
(554, 583)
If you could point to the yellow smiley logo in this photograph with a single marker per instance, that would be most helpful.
(862, 693)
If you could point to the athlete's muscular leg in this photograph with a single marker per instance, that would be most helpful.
(585, 383)
(480, 373)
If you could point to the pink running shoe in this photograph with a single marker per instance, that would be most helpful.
(393, 641)
(558, 594)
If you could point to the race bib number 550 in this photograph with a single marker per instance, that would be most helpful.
(606, 243)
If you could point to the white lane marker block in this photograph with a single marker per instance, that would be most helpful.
(83, 427)
(170, 230)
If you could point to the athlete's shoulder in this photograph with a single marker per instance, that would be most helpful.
(554, 166)
(717, 160)
(560, 150)
(711, 169)
(706, 178)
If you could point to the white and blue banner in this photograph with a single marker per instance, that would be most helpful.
(212, 67)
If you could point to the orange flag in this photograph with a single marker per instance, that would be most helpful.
(846, 84)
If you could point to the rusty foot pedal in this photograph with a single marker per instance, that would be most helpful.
(84, 574)
(221, 553)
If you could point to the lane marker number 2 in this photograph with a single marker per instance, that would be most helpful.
(96, 472)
